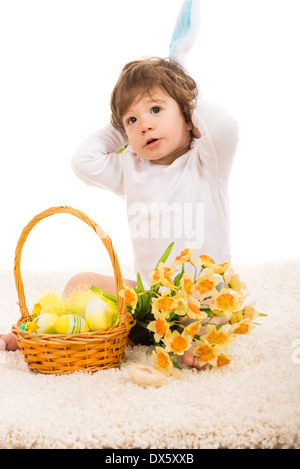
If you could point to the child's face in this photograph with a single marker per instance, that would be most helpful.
(156, 128)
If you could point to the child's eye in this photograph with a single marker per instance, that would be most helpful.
(131, 120)
(155, 109)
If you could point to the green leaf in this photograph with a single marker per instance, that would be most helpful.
(141, 323)
(208, 312)
(144, 298)
(139, 284)
(104, 293)
(175, 364)
(262, 314)
(172, 316)
(165, 255)
(179, 276)
(154, 290)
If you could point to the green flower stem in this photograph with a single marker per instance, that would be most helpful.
(141, 323)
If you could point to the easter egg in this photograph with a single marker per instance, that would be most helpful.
(70, 324)
(98, 314)
(45, 323)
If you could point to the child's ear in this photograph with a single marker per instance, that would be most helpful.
(189, 125)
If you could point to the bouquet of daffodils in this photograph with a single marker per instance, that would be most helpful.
(203, 309)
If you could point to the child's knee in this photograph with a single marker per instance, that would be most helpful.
(85, 280)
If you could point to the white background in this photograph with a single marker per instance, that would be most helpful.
(59, 62)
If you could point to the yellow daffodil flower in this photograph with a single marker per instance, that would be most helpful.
(165, 303)
(192, 307)
(232, 280)
(219, 337)
(129, 295)
(187, 284)
(160, 326)
(242, 328)
(162, 275)
(226, 302)
(162, 361)
(223, 360)
(236, 317)
(221, 268)
(205, 283)
(192, 328)
(208, 262)
(250, 313)
(183, 257)
(176, 342)
(206, 353)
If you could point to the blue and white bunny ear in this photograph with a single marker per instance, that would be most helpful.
(185, 31)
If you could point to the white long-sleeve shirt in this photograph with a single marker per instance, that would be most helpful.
(185, 202)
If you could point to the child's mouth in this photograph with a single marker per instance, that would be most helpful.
(152, 142)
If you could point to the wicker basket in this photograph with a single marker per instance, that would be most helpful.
(67, 353)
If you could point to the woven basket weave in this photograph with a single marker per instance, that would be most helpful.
(67, 353)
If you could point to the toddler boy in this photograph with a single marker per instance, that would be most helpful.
(169, 156)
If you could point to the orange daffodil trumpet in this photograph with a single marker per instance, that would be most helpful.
(129, 295)
(162, 275)
(176, 342)
(160, 326)
(226, 302)
(162, 361)
(193, 303)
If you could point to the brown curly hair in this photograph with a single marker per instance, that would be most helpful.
(140, 77)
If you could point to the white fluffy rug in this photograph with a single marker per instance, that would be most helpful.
(252, 403)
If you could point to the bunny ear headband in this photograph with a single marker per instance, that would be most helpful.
(185, 31)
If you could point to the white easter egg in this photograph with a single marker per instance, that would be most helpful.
(46, 323)
(98, 314)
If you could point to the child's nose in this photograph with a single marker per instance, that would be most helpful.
(146, 125)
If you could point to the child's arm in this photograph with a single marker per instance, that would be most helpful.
(97, 160)
(219, 137)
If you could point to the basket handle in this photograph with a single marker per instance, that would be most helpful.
(104, 238)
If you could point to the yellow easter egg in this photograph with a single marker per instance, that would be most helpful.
(98, 315)
(45, 323)
(71, 324)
